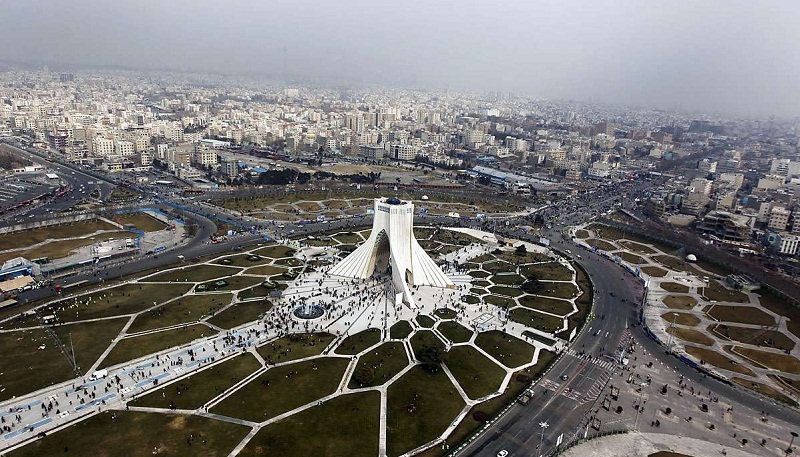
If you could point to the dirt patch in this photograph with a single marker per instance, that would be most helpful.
(684, 302)
(674, 287)
(691, 335)
(718, 360)
(681, 318)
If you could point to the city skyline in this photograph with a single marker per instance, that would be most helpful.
(665, 55)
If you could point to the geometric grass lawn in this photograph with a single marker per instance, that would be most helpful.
(133, 348)
(379, 365)
(341, 427)
(283, 388)
(118, 433)
(240, 313)
(295, 346)
(476, 374)
(420, 406)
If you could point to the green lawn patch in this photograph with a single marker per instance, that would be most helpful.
(90, 339)
(295, 346)
(275, 251)
(508, 279)
(506, 349)
(345, 426)
(124, 299)
(499, 267)
(502, 302)
(133, 433)
(423, 339)
(741, 315)
(266, 270)
(200, 388)
(475, 372)
(240, 313)
(261, 290)
(445, 313)
(425, 321)
(244, 260)
(189, 308)
(348, 238)
(479, 274)
(197, 273)
(133, 348)
(552, 271)
(400, 330)
(27, 368)
(507, 291)
(455, 332)
(420, 406)
(539, 321)
(550, 305)
(354, 344)
(284, 388)
(379, 365)
(558, 289)
(230, 283)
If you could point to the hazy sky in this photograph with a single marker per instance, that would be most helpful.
(720, 55)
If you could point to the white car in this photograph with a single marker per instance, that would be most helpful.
(502, 453)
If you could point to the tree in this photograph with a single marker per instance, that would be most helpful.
(521, 250)
(364, 376)
(668, 411)
(430, 359)
(531, 286)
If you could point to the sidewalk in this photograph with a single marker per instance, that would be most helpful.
(636, 444)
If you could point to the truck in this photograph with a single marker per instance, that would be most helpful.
(524, 398)
(99, 374)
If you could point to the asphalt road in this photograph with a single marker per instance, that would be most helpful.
(564, 403)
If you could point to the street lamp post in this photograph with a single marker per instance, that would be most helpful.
(544, 425)
(791, 443)
(669, 344)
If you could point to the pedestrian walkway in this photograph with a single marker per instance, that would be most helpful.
(635, 444)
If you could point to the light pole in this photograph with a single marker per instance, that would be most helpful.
(791, 443)
(544, 425)
(669, 345)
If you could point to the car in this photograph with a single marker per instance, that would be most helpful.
(564, 377)
(502, 453)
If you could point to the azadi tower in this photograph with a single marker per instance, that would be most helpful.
(391, 247)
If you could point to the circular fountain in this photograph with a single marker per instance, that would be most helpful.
(308, 311)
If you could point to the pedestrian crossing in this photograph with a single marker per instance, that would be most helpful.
(600, 362)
